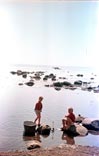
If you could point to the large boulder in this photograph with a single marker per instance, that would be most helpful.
(81, 130)
(92, 125)
(89, 123)
(76, 130)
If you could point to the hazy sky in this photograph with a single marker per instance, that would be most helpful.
(49, 33)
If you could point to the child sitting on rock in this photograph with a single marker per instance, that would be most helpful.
(69, 119)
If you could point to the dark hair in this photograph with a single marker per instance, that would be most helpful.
(41, 97)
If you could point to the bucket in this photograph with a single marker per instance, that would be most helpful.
(29, 128)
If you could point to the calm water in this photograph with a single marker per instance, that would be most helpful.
(17, 105)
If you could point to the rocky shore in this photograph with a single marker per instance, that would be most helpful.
(62, 150)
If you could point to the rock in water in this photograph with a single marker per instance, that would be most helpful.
(81, 130)
(34, 144)
(29, 128)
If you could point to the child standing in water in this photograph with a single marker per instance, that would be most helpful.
(38, 110)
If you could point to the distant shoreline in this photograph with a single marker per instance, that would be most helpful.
(45, 65)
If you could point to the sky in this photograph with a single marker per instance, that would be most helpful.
(60, 33)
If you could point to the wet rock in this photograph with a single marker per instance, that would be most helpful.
(20, 84)
(92, 78)
(45, 77)
(52, 75)
(19, 72)
(96, 90)
(47, 85)
(13, 72)
(44, 129)
(54, 79)
(24, 75)
(61, 84)
(76, 130)
(37, 76)
(34, 144)
(57, 88)
(57, 68)
(89, 88)
(62, 77)
(80, 75)
(30, 83)
(66, 83)
(79, 82)
(57, 84)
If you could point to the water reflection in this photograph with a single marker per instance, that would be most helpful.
(33, 141)
(69, 139)
(94, 132)
(37, 137)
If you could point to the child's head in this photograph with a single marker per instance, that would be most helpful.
(40, 98)
(70, 110)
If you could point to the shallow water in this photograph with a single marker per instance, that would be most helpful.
(17, 105)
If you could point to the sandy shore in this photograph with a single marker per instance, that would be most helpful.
(62, 150)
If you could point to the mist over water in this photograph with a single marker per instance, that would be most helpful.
(17, 105)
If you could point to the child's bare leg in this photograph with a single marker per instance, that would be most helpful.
(35, 119)
(39, 119)
(68, 123)
(64, 123)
